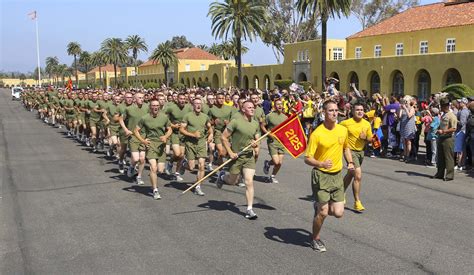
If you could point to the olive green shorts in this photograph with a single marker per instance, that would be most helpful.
(156, 150)
(217, 137)
(93, 123)
(357, 158)
(327, 186)
(275, 148)
(135, 145)
(246, 160)
(195, 150)
(177, 138)
(114, 129)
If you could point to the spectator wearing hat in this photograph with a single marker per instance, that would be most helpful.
(445, 142)
(432, 136)
(460, 135)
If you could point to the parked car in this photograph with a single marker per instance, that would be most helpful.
(16, 92)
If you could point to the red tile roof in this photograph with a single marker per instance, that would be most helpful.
(188, 53)
(432, 16)
(106, 68)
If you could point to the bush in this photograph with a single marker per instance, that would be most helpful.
(178, 86)
(457, 91)
(204, 84)
(306, 85)
(124, 85)
(283, 83)
(151, 85)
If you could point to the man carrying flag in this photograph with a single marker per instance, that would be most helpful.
(325, 149)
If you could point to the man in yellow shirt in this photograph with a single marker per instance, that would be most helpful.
(326, 146)
(360, 133)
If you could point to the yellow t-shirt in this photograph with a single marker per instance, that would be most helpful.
(370, 115)
(377, 122)
(327, 144)
(285, 105)
(308, 110)
(354, 129)
(229, 103)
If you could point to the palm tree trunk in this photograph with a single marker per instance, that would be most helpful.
(115, 73)
(324, 20)
(75, 67)
(166, 75)
(239, 60)
(100, 76)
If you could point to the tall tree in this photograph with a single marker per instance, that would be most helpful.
(98, 60)
(51, 63)
(136, 44)
(371, 12)
(242, 18)
(74, 49)
(115, 52)
(203, 47)
(86, 62)
(179, 42)
(164, 55)
(287, 25)
(325, 8)
(229, 49)
(215, 49)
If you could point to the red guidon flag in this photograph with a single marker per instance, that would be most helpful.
(69, 85)
(291, 135)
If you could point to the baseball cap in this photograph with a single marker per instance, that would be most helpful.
(463, 100)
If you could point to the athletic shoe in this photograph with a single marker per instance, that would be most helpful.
(358, 206)
(182, 169)
(88, 142)
(220, 179)
(318, 245)
(94, 150)
(241, 184)
(121, 170)
(169, 168)
(140, 181)
(178, 177)
(456, 167)
(209, 167)
(156, 194)
(198, 192)
(130, 171)
(69, 134)
(266, 167)
(109, 153)
(273, 179)
(251, 215)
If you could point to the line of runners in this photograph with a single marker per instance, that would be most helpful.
(179, 131)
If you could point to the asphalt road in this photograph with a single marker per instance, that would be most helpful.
(66, 210)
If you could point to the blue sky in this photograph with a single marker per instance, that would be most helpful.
(89, 22)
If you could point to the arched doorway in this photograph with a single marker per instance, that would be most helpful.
(236, 80)
(256, 82)
(194, 81)
(245, 82)
(354, 78)
(374, 80)
(302, 77)
(182, 81)
(206, 79)
(199, 80)
(278, 77)
(215, 81)
(398, 83)
(423, 84)
(451, 76)
(188, 83)
(336, 76)
(266, 79)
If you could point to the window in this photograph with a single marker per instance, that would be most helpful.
(337, 53)
(378, 51)
(450, 45)
(187, 67)
(358, 52)
(399, 49)
(203, 67)
(306, 55)
(423, 47)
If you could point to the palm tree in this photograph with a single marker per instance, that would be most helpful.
(202, 47)
(62, 71)
(136, 44)
(115, 52)
(98, 60)
(164, 55)
(74, 49)
(324, 8)
(229, 49)
(51, 63)
(86, 62)
(242, 18)
(215, 49)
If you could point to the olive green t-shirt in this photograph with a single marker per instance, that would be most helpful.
(272, 120)
(221, 114)
(94, 116)
(175, 113)
(69, 103)
(259, 114)
(243, 132)
(133, 114)
(196, 123)
(236, 113)
(154, 127)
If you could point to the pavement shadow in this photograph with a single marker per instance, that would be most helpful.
(294, 236)
(263, 206)
(222, 206)
(309, 198)
(264, 179)
(144, 190)
(411, 173)
(179, 185)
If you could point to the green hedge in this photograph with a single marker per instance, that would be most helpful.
(151, 85)
(283, 83)
(204, 84)
(457, 91)
(178, 86)
(306, 85)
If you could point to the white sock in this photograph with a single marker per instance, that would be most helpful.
(249, 208)
(156, 189)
